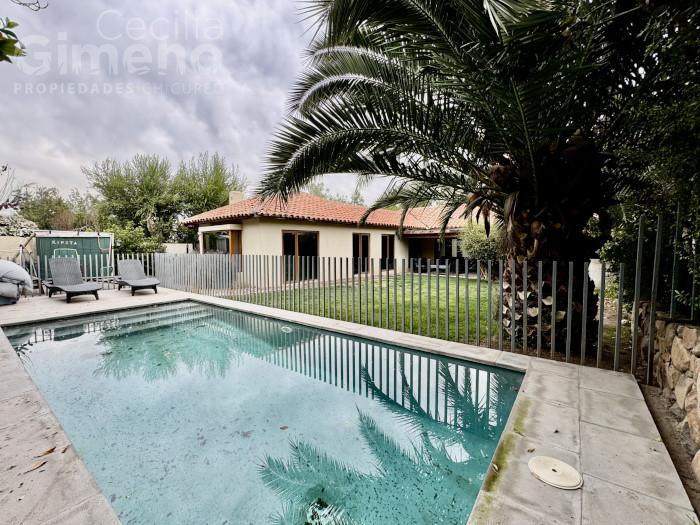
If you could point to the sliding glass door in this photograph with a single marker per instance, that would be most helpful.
(300, 250)
(360, 252)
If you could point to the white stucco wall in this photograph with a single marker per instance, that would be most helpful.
(264, 237)
(9, 246)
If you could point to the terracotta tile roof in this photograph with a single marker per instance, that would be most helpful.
(307, 207)
(429, 219)
(301, 206)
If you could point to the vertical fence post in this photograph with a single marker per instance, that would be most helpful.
(513, 304)
(411, 267)
(478, 303)
(569, 309)
(489, 313)
(524, 306)
(447, 300)
(367, 314)
(395, 292)
(429, 298)
(584, 311)
(652, 302)
(335, 288)
(539, 308)
(618, 324)
(457, 301)
(381, 294)
(347, 289)
(466, 301)
(352, 314)
(403, 295)
(674, 270)
(601, 315)
(373, 286)
(500, 304)
(420, 296)
(553, 323)
(437, 298)
(694, 281)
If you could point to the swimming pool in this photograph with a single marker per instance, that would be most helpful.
(189, 413)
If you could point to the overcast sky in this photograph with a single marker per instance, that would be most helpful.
(171, 77)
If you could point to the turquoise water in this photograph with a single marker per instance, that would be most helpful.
(191, 414)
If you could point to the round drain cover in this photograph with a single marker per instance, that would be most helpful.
(286, 329)
(555, 473)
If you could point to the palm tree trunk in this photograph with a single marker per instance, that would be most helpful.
(521, 298)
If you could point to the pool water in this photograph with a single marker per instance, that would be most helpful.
(188, 413)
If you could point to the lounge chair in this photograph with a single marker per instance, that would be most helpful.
(131, 274)
(67, 278)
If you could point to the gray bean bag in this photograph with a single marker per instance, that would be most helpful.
(13, 280)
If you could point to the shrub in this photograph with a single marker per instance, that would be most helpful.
(475, 244)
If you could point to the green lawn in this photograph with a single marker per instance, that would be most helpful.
(389, 306)
(392, 305)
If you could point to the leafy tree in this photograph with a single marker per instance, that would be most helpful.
(515, 109)
(10, 46)
(86, 211)
(319, 189)
(667, 131)
(204, 183)
(356, 197)
(133, 239)
(46, 207)
(139, 191)
(9, 194)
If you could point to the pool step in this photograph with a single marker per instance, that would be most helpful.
(71, 328)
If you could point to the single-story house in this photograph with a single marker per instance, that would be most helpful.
(308, 225)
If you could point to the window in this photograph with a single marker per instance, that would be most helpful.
(388, 252)
(216, 242)
(360, 252)
(300, 250)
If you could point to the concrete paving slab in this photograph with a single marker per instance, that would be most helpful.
(605, 502)
(568, 370)
(32, 491)
(549, 423)
(92, 511)
(473, 353)
(14, 381)
(515, 480)
(514, 361)
(501, 510)
(42, 308)
(552, 388)
(636, 463)
(608, 381)
(622, 413)
(23, 406)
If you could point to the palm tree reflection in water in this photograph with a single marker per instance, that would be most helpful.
(435, 481)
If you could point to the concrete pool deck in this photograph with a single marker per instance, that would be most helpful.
(593, 419)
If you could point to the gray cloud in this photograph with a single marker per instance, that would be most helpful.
(226, 92)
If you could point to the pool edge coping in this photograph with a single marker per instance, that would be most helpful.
(501, 498)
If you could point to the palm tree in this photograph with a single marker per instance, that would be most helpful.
(505, 106)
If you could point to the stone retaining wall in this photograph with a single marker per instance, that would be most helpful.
(677, 372)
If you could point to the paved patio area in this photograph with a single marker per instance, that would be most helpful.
(593, 419)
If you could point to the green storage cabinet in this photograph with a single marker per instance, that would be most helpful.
(93, 252)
